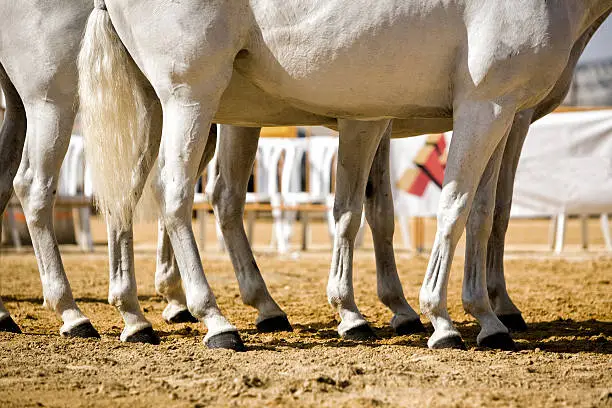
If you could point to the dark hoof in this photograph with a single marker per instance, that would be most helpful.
(146, 335)
(454, 342)
(360, 333)
(83, 330)
(498, 341)
(227, 340)
(183, 317)
(8, 325)
(275, 324)
(514, 322)
(411, 327)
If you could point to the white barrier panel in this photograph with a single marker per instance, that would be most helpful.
(565, 167)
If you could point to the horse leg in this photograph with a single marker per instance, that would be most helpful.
(189, 78)
(12, 137)
(122, 289)
(167, 276)
(379, 213)
(48, 135)
(502, 305)
(237, 149)
(187, 116)
(168, 280)
(479, 128)
(358, 143)
(475, 298)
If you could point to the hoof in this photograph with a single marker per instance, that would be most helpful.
(410, 327)
(146, 335)
(228, 340)
(8, 325)
(514, 322)
(183, 317)
(498, 341)
(453, 342)
(275, 324)
(360, 333)
(83, 330)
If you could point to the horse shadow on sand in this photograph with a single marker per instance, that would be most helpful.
(558, 336)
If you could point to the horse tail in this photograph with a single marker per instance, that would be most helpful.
(115, 121)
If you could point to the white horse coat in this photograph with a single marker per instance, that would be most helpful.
(426, 64)
(38, 49)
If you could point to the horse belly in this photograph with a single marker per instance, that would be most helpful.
(243, 104)
(338, 61)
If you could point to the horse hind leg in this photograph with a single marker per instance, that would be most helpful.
(479, 128)
(168, 281)
(187, 116)
(502, 305)
(167, 276)
(353, 169)
(12, 137)
(237, 150)
(122, 292)
(478, 229)
(379, 213)
(49, 124)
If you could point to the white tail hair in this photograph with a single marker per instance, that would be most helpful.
(115, 122)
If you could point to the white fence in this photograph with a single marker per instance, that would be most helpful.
(565, 169)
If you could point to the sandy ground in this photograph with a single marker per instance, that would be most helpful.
(564, 358)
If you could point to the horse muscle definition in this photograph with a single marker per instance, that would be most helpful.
(480, 68)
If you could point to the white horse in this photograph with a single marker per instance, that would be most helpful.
(237, 148)
(47, 97)
(236, 154)
(38, 74)
(49, 133)
(430, 65)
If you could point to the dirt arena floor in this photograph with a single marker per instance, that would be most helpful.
(564, 358)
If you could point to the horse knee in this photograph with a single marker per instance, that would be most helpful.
(347, 223)
(175, 200)
(453, 212)
(36, 197)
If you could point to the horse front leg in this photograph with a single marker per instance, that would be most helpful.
(167, 276)
(358, 143)
(380, 216)
(237, 150)
(12, 137)
(502, 305)
(479, 128)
